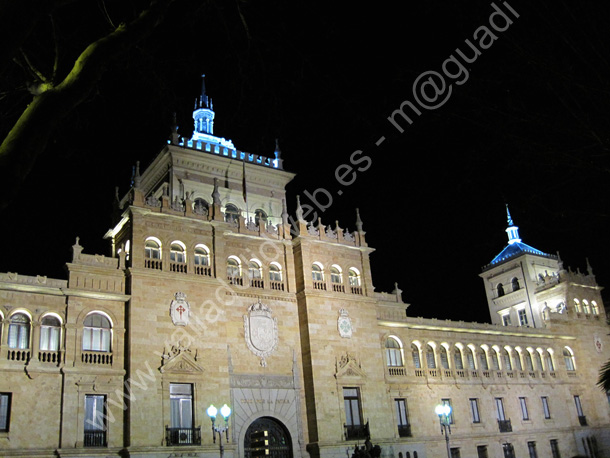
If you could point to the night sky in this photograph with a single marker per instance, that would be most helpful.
(525, 122)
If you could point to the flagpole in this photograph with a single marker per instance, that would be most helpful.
(245, 193)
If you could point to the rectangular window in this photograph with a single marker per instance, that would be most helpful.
(447, 402)
(95, 420)
(509, 450)
(482, 451)
(455, 452)
(402, 418)
(524, 413)
(5, 411)
(531, 447)
(181, 431)
(353, 415)
(555, 448)
(523, 317)
(500, 409)
(545, 407)
(578, 406)
(506, 320)
(474, 410)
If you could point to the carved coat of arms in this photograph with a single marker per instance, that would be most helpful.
(260, 331)
(344, 324)
(180, 310)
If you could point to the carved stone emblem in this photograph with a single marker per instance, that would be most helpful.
(260, 331)
(599, 345)
(180, 310)
(344, 324)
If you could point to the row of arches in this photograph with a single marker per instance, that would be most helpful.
(231, 211)
(96, 331)
(483, 357)
(586, 307)
(177, 252)
(501, 289)
(319, 274)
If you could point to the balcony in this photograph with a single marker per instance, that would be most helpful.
(94, 438)
(182, 436)
(404, 430)
(356, 431)
(505, 426)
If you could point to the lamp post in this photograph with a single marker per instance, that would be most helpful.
(443, 411)
(225, 411)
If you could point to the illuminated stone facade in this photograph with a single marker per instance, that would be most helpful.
(214, 295)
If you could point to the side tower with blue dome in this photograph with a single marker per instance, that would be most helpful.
(524, 285)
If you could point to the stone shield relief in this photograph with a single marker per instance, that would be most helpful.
(261, 331)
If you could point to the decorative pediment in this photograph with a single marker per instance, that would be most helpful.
(180, 359)
(349, 367)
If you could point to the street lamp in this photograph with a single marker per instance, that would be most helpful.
(443, 411)
(225, 411)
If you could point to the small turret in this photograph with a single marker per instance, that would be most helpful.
(203, 115)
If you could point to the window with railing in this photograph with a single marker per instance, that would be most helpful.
(402, 417)
(201, 258)
(97, 333)
(19, 331)
(255, 274)
(336, 279)
(95, 421)
(393, 352)
(152, 254)
(354, 426)
(234, 271)
(181, 430)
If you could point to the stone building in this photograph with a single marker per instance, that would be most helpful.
(212, 294)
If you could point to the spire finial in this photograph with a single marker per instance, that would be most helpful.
(299, 210)
(511, 230)
(508, 217)
(358, 221)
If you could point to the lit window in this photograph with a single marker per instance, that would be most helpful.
(275, 272)
(176, 253)
(585, 307)
(231, 213)
(96, 333)
(202, 256)
(576, 305)
(19, 331)
(500, 409)
(233, 268)
(152, 249)
(447, 402)
(457, 359)
(402, 417)
(506, 319)
(95, 420)
(393, 352)
(181, 414)
(335, 275)
(594, 308)
(443, 357)
(354, 277)
(50, 331)
(5, 411)
(568, 358)
(317, 273)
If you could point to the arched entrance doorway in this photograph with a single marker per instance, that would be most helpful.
(267, 437)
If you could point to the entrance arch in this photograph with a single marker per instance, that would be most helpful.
(267, 437)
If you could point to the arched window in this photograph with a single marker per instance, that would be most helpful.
(528, 361)
(260, 216)
(517, 360)
(50, 331)
(335, 275)
(548, 358)
(96, 333)
(415, 356)
(19, 331)
(585, 306)
(594, 308)
(233, 268)
(254, 270)
(201, 256)
(506, 361)
(393, 352)
(430, 360)
(442, 353)
(317, 273)
(200, 206)
(152, 249)
(576, 305)
(483, 360)
(354, 277)
(457, 359)
(515, 284)
(231, 213)
(538, 361)
(275, 272)
(469, 358)
(500, 290)
(568, 357)
(176, 253)
(495, 362)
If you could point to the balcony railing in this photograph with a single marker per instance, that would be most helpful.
(94, 438)
(404, 430)
(182, 436)
(97, 357)
(505, 426)
(49, 356)
(276, 285)
(357, 431)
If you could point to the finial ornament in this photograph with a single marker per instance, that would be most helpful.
(299, 210)
(358, 220)
(512, 231)
(216, 194)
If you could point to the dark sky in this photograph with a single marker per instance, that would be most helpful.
(526, 123)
